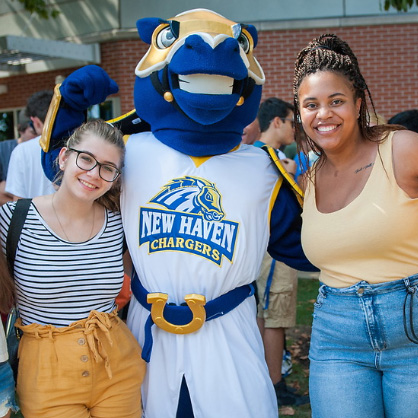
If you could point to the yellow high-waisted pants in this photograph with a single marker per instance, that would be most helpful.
(92, 368)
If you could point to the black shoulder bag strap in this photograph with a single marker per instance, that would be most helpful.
(15, 229)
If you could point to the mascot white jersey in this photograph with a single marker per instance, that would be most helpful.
(199, 211)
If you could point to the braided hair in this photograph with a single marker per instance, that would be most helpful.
(330, 53)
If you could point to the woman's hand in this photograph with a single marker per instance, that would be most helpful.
(289, 165)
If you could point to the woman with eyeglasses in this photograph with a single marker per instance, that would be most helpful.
(76, 358)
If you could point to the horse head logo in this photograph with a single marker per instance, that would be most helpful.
(192, 195)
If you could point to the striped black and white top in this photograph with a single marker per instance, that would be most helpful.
(59, 282)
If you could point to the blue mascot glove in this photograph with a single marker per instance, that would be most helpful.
(83, 88)
(87, 86)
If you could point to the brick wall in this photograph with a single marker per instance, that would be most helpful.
(387, 54)
(20, 87)
(119, 59)
(388, 57)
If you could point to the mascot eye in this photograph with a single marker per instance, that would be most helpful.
(244, 43)
(165, 38)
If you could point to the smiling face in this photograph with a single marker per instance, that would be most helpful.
(329, 110)
(83, 184)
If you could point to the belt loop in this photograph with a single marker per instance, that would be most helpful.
(252, 290)
(51, 336)
(322, 291)
(409, 288)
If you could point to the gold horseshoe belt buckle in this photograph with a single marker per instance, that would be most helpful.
(195, 303)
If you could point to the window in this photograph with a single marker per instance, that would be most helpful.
(107, 110)
(8, 124)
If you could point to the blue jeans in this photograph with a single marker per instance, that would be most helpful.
(7, 386)
(362, 365)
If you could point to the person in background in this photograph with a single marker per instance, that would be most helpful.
(25, 132)
(275, 118)
(277, 283)
(277, 286)
(360, 228)
(407, 118)
(25, 176)
(76, 356)
(7, 383)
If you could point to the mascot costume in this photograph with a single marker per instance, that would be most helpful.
(199, 211)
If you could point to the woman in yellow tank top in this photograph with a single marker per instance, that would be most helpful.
(360, 227)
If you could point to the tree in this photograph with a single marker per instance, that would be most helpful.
(39, 7)
(399, 5)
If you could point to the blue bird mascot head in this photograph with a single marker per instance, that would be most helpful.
(197, 87)
(199, 84)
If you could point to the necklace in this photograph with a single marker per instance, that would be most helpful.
(62, 228)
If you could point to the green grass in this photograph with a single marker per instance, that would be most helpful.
(307, 292)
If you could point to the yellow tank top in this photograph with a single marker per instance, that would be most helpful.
(374, 238)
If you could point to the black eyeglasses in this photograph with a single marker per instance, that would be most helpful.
(30, 123)
(292, 121)
(86, 161)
